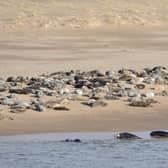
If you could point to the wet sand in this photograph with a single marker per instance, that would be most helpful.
(117, 116)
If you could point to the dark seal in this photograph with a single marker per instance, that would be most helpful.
(127, 136)
(73, 140)
(159, 134)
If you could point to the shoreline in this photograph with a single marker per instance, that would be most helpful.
(114, 118)
(85, 135)
(60, 136)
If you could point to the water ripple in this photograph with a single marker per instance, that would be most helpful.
(95, 153)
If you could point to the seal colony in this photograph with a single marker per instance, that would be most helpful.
(91, 88)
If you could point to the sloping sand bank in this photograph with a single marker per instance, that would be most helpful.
(115, 117)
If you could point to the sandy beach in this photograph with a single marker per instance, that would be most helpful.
(38, 39)
(115, 117)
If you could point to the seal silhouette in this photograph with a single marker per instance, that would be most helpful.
(159, 134)
(73, 140)
(127, 136)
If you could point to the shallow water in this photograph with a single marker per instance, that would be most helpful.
(96, 150)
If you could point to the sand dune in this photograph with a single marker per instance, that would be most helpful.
(56, 14)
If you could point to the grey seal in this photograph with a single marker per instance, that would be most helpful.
(126, 136)
(159, 134)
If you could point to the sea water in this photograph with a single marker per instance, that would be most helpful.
(97, 150)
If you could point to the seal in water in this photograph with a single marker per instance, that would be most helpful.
(159, 134)
(73, 140)
(127, 136)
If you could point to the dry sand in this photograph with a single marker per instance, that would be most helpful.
(57, 14)
(92, 49)
(103, 34)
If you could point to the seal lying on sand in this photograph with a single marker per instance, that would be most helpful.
(127, 136)
(159, 134)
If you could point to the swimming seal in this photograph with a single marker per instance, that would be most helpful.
(159, 134)
(127, 136)
(73, 140)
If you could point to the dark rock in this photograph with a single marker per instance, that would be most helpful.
(159, 134)
(127, 136)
